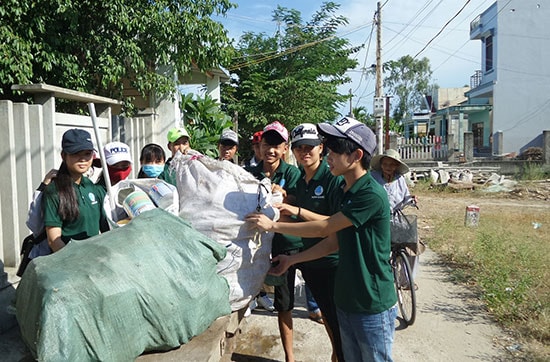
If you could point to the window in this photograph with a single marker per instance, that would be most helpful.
(488, 53)
(477, 130)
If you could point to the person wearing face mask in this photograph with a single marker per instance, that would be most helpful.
(119, 162)
(152, 160)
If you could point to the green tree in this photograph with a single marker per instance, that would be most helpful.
(204, 120)
(407, 79)
(100, 46)
(293, 75)
(362, 115)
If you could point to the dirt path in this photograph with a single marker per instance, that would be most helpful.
(451, 325)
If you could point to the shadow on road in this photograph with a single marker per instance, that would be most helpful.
(237, 357)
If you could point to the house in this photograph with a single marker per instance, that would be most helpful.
(455, 114)
(512, 84)
(447, 112)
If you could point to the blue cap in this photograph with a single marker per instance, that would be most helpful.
(76, 140)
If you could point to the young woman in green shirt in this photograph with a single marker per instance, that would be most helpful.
(72, 204)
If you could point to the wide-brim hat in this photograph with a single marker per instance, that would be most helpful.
(394, 155)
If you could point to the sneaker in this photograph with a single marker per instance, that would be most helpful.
(266, 303)
(251, 306)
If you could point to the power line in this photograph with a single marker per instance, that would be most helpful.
(273, 55)
(443, 28)
(366, 56)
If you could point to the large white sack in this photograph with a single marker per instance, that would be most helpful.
(215, 196)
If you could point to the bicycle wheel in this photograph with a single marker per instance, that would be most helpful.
(405, 287)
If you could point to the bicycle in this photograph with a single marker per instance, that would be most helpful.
(404, 233)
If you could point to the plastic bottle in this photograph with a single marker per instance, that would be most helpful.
(135, 202)
(161, 195)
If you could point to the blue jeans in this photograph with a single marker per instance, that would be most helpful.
(367, 337)
(312, 306)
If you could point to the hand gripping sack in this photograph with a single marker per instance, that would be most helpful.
(215, 196)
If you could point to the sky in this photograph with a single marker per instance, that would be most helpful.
(407, 27)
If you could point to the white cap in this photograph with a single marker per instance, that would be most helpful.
(116, 152)
(305, 134)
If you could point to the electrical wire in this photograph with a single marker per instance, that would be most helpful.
(293, 49)
(443, 28)
(366, 57)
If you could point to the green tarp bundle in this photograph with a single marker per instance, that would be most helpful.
(150, 285)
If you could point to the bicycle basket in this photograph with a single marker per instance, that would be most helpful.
(403, 229)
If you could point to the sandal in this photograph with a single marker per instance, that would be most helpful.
(316, 317)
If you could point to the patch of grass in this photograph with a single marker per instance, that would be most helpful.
(507, 258)
(534, 171)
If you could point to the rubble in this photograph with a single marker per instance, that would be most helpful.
(482, 179)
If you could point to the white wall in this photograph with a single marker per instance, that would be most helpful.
(522, 90)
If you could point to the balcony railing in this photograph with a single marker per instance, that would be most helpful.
(475, 80)
(476, 23)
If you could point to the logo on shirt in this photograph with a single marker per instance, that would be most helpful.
(318, 190)
(91, 196)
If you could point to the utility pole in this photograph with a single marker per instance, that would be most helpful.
(387, 141)
(350, 104)
(378, 92)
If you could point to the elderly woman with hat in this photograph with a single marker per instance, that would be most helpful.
(389, 171)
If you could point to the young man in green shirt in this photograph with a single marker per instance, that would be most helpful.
(273, 146)
(360, 230)
(313, 192)
(178, 140)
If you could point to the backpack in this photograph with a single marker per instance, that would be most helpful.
(28, 243)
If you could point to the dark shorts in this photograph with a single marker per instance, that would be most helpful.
(284, 294)
(321, 284)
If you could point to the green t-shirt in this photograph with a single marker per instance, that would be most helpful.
(364, 279)
(90, 203)
(315, 196)
(291, 175)
(168, 174)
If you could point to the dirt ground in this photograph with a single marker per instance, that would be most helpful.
(451, 324)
